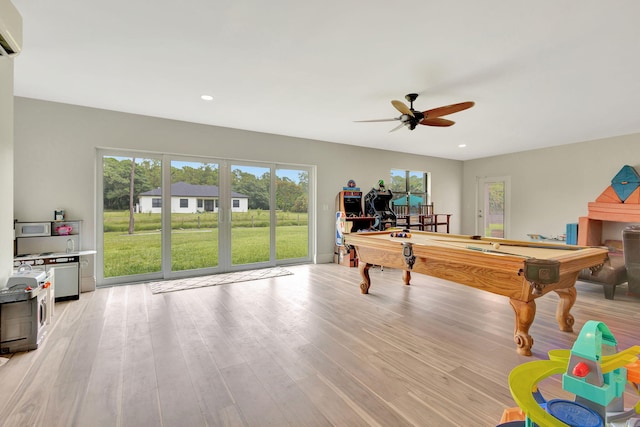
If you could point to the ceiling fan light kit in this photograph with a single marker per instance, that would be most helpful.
(411, 118)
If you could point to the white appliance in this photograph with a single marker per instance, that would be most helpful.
(10, 29)
(23, 311)
(33, 229)
(67, 276)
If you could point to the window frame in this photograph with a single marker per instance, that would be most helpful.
(221, 207)
(407, 192)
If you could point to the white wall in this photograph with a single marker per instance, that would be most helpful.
(243, 205)
(6, 169)
(552, 187)
(55, 168)
(56, 145)
(146, 204)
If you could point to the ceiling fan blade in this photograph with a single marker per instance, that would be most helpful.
(436, 121)
(376, 120)
(402, 107)
(396, 128)
(448, 109)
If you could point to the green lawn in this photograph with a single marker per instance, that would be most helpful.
(195, 242)
(119, 220)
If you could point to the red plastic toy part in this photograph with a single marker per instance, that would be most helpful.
(581, 370)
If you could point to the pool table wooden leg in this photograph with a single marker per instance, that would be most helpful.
(567, 299)
(525, 313)
(406, 277)
(363, 268)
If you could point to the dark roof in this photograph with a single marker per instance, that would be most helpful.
(182, 189)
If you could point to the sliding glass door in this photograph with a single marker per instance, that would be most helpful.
(292, 213)
(168, 217)
(250, 213)
(194, 195)
(131, 207)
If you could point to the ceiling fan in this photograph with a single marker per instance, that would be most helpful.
(412, 118)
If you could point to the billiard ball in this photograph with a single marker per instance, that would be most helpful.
(496, 245)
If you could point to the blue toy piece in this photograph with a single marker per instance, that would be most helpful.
(573, 413)
(625, 182)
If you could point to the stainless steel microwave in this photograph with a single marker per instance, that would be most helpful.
(33, 229)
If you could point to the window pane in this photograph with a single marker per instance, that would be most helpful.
(131, 216)
(292, 214)
(416, 182)
(417, 193)
(494, 209)
(398, 182)
(194, 231)
(251, 216)
(409, 188)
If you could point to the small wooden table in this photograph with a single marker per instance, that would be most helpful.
(522, 271)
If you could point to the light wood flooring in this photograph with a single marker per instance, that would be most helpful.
(301, 350)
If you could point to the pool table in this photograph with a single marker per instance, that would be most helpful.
(520, 270)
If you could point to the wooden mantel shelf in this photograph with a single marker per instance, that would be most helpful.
(617, 212)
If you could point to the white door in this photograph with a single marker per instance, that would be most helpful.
(493, 206)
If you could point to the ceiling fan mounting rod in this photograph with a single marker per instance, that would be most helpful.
(411, 97)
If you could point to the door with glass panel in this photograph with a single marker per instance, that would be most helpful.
(131, 209)
(493, 203)
(194, 194)
(250, 214)
(269, 214)
(292, 214)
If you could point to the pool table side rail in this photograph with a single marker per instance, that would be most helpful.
(497, 273)
(561, 248)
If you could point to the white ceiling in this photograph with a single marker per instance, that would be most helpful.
(542, 73)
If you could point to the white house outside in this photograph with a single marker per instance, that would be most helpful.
(190, 198)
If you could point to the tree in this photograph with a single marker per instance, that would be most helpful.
(290, 196)
(207, 174)
(117, 180)
(257, 189)
(115, 183)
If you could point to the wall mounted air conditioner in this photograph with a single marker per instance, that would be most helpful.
(10, 29)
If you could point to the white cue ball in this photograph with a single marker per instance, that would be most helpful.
(496, 245)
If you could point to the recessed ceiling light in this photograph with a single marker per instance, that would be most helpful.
(462, 145)
(207, 98)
